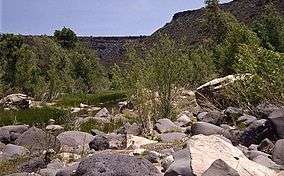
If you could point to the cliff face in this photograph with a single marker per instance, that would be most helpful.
(184, 26)
(187, 25)
(110, 49)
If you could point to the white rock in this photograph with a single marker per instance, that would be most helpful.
(136, 141)
(206, 149)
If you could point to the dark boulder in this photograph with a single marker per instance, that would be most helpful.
(266, 146)
(100, 142)
(278, 152)
(36, 140)
(213, 117)
(220, 168)
(277, 118)
(256, 132)
(116, 165)
(181, 165)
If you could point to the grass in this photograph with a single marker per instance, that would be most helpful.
(11, 166)
(34, 116)
(105, 127)
(74, 100)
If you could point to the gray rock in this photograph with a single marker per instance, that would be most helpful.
(265, 161)
(116, 165)
(11, 151)
(278, 152)
(254, 153)
(220, 168)
(152, 156)
(103, 113)
(181, 164)
(16, 128)
(4, 136)
(166, 125)
(172, 137)
(75, 139)
(205, 129)
(33, 165)
(99, 142)
(117, 141)
(133, 129)
(266, 146)
(246, 120)
(264, 109)
(213, 117)
(277, 118)
(233, 113)
(23, 174)
(69, 170)
(166, 162)
(52, 168)
(36, 140)
(95, 132)
(184, 119)
(256, 132)
(15, 101)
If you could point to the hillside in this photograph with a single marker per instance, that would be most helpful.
(187, 25)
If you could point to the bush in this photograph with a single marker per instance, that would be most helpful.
(74, 100)
(34, 116)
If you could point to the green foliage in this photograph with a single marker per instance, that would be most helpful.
(66, 37)
(270, 28)
(267, 82)
(152, 77)
(105, 127)
(74, 100)
(228, 34)
(34, 116)
(41, 68)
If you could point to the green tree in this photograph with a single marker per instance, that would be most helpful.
(270, 28)
(66, 37)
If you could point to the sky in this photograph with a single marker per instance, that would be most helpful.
(90, 17)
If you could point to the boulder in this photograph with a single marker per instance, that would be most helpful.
(181, 164)
(220, 168)
(136, 142)
(213, 117)
(4, 136)
(11, 151)
(36, 140)
(69, 170)
(277, 118)
(52, 168)
(264, 109)
(75, 141)
(152, 156)
(206, 129)
(266, 146)
(184, 119)
(256, 132)
(254, 153)
(24, 174)
(116, 165)
(15, 101)
(100, 142)
(103, 113)
(133, 129)
(33, 165)
(172, 137)
(265, 161)
(166, 125)
(16, 128)
(278, 152)
(205, 150)
(233, 113)
(166, 162)
(246, 120)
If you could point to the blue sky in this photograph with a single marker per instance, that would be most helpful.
(90, 17)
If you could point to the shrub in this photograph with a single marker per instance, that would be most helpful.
(34, 116)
